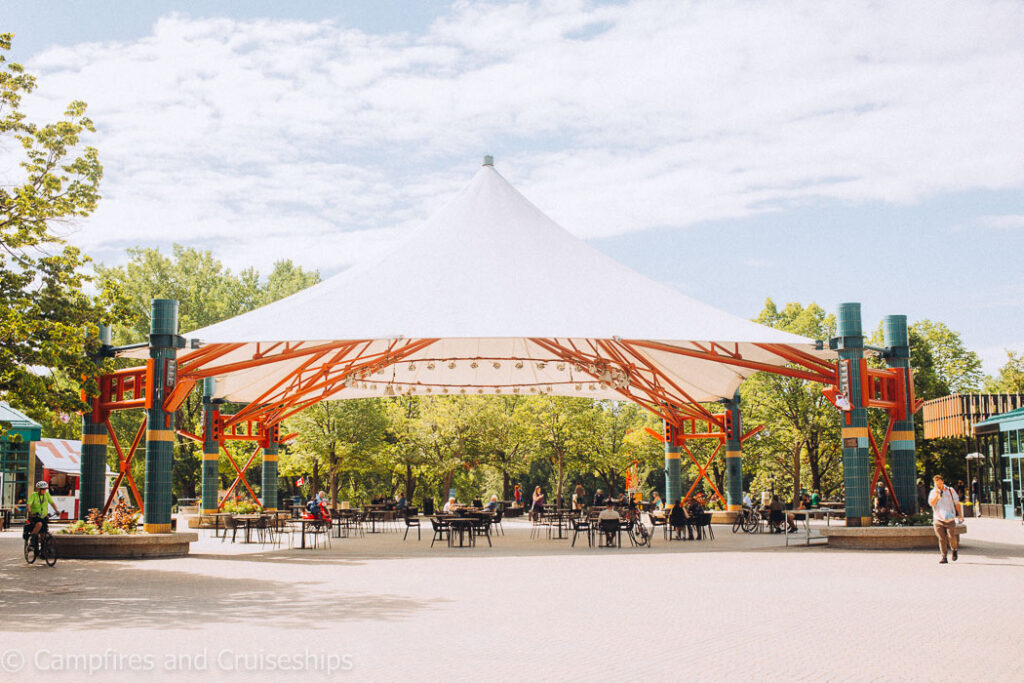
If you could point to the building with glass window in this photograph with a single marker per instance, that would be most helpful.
(20, 431)
(1000, 461)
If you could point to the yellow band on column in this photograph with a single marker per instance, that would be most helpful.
(211, 456)
(159, 435)
(734, 454)
(669, 455)
(850, 432)
(156, 528)
(902, 436)
(94, 439)
(270, 457)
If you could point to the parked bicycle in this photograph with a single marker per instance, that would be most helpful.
(637, 530)
(45, 546)
(749, 520)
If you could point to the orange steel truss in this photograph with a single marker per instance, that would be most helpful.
(323, 369)
(124, 464)
(719, 429)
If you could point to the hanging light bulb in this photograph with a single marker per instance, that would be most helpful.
(561, 366)
(445, 390)
(451, 365)
(577, 387)
(430, 365)
(497, 390)
(497, 365)
(412, 367)
(533, 389)
(579, 368)
(519, 365)
(591, 387)
(480, 391)
(428, 390)
(389, 390)
(462, 390)
(515, 390)
(474, 365)
(549, 389)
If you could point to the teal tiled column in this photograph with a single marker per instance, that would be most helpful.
(93, 465)
(733, 456)
(856, 456)
(673, 480)
(211, 450)
(164, 343)
(901, 442)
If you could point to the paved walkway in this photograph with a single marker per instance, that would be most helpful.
(741, 607)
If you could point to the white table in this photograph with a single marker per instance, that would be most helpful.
(806, 515)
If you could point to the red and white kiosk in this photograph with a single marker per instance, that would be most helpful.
(59, 460)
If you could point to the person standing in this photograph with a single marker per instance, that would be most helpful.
(578, 496)
(946, 512)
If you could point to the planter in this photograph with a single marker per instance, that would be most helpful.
(884, 537)
(123, 546)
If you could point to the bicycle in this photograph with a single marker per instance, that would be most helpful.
(637, 530)
(749, 520)
(45, 546)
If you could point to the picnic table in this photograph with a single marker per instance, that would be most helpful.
(806, 516)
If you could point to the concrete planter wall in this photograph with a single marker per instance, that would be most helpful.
(124, 546)
(883, 537)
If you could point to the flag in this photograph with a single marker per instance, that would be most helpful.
(301, 481)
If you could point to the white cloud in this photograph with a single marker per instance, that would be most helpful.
(1005, 222)
(269, 139)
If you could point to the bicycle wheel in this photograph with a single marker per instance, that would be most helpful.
(643, 534)
(48, 546)
(30, 552)
(750, 524)
(739, 523)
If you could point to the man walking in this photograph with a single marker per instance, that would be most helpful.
(946, 512)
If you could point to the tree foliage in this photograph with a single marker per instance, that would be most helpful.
(46, 318)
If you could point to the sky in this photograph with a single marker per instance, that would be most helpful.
(803, 151)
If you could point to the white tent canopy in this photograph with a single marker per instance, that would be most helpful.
(486, 278)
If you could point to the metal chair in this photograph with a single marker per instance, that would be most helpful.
(582, 525)
(442, 530)
(412, 521)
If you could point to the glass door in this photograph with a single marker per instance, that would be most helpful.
(1012, 487)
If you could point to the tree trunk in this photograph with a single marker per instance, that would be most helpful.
(796, 471)
(506, 486)
(561, 476)
(410, 486)
(813, 456)
(333, 464)
(316, 478)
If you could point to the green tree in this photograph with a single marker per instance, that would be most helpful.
(958, 368)
(801, 425)
(506, 437)
(561, 427)
(1010, 378)
(46, 318)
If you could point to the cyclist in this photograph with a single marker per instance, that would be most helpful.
(37, 503)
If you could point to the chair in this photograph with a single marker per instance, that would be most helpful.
(703, 526)
(411, 521)
(659, 520)
(610, 528)
(482, 527)
(496, 521)
(234, 525)
(321, 528)
(264, 530)
(582, 525)
(442, 530)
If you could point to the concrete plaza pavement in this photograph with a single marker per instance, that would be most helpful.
(740, 607)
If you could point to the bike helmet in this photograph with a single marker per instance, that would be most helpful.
(42, 485)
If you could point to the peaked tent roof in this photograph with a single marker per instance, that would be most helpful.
(485, 277)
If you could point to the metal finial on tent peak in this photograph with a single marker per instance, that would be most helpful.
(488, 160)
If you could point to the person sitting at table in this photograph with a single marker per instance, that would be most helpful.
(599, 498)
(816, 499)
(609, 520)
(657, 503)
(578, 496)
(317, 508)
(678, 519)
(775, 515)
(695, 511)
(803, 504)
(492, 506)
(450, 506)
(400, 502)
(537, 508)
(747, 501)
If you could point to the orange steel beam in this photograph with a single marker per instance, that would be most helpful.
(658, 401)
(178, 395)
(273, 412)
(189, 435)
(240, 477)
(206, 354)
(799, 356)
(203, 372)
(880, 463)
(816, 376)
(653, 369)
(702, 473)
(124, 464)
(751, 433)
